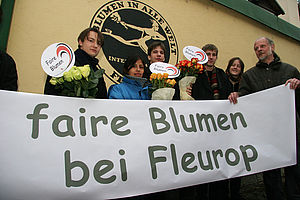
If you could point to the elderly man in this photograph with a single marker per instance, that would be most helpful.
(270, 72)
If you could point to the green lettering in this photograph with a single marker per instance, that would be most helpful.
(123, 166)
(209, 163)
(186, 160)
(247, 159)
(215, 155)
(68, 168)
(173, 116)
(222, 118)
(234, 118)
(117, 123)
(69, 123)
(236, 155)
(161, 120)
(205, 117)
(106, 166)
(36, 116)
(174, 159)
(192, 122)
(82, 123)
(94, 122)
(154, 160)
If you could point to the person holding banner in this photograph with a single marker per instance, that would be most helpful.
(133, 86)
(90, 42)
(234, 70)
(269, 72)
(213, 84)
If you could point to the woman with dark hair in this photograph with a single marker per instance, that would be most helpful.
(234, 70)
(133, 86)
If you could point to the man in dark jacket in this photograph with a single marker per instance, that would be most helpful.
(213, 84)
(90, 42)
(270, 72)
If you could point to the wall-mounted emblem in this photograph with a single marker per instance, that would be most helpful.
(128, 28)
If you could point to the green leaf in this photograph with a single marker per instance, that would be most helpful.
(92, 85)
(93, 92)
(94, 80)
(99, 73)
(78, 90)
(84, 84)
(85, 93)
(68, 85)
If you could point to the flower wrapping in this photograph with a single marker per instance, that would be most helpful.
(189, 71)
(183, 84)
(163, 94)
(79, 81)
(162, 87)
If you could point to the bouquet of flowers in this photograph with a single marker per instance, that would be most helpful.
(79, 81)
(162, 87)
(189, 70)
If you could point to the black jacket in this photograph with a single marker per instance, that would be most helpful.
(81, 58)
(264, 76)
(8, 73)
(202, 89)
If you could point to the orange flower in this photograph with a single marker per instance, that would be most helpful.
(189, 68)
(159, 76)
(153, 76)
(161, 81)
(194, 61)
(183, 62)
(172, 82)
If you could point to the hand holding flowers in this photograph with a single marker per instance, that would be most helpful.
(79, 81)
(189, 70)
(162, 87)
(161, 81)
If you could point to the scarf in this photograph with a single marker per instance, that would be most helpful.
(213, 81)
(141, 81)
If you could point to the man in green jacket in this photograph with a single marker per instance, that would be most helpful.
(270, 72)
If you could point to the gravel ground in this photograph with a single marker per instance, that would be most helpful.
(253, 187)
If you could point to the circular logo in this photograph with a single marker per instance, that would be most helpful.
(160, 67)
(129, 27)
(194, 52)
(57, 58)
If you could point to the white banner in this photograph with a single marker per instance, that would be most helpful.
(71, 148)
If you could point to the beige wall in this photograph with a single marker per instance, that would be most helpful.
(290, 8)
(37, 24)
